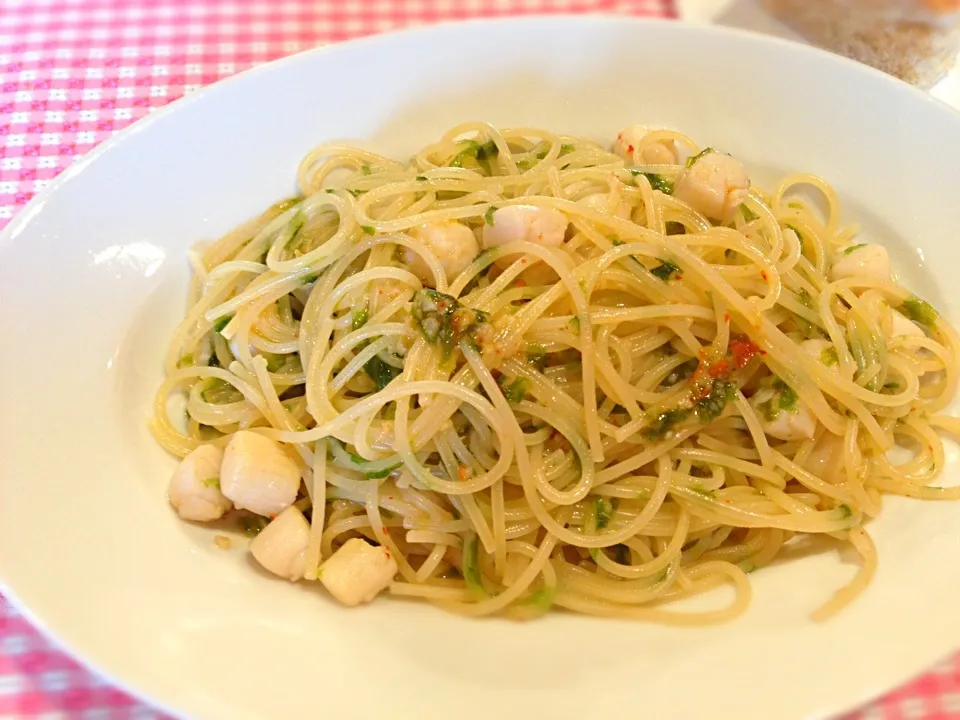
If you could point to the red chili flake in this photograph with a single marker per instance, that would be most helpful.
(720, 369)
(763, 274)
(699, 375)
(520, 283)
(630, 149)
(383, 529)
(678, 276)
(743, 351)
(726, 317)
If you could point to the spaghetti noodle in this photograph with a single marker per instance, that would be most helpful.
(540, 373)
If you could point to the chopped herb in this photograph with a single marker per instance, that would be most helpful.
(213, 482)
(356, 193)
(186, 361)
(537, 355)
(702, 492)
(274, 362)
(748, 214)
(485, 154)
(365, 169)
(470, 150)
(296, 222)
(442, 319)
(211, 385)
(799, 234)
(221, 323)
(788, 397)
(368, 230)
(853, 248)
(471, 566)
(422, 178)
(829, 357)
(488, 215)
(363, 465)
(865, 348)
(617, 242)
(919, 311)
(515, 392)
(380, 474)
(892, 385)
(785, 398)
(488, 150)
(602, 512)
(575, 324)
(330, 190)
(542, 599)
(665, 270)
(564, 149)
(253, 525)
(658, 182)
(711, 407)
(307, 279)
(481, 153)
(845, 511)
(747, 567)
(360, 318)
(664, 422)
(380, 372)
(691, 161)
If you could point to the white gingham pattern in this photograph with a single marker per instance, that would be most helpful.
(73, 72)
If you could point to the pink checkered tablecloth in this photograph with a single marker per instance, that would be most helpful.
(74, 72)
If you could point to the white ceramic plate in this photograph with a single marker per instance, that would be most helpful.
(93, 274)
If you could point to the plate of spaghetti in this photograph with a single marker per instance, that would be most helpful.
(547, 382)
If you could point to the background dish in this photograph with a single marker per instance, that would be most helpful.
(192, 629)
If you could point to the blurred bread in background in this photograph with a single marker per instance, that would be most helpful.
(916, 40)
